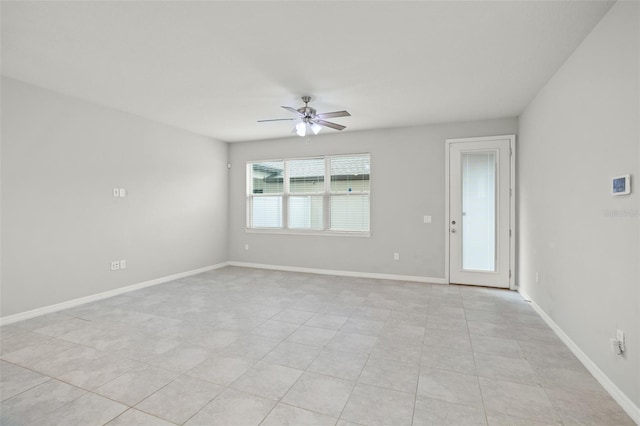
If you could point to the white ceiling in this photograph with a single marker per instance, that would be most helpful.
(215, 68)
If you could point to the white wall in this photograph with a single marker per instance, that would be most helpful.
(407, 182)
(61, 226)
(580, 131)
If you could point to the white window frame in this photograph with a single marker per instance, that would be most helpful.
(286, 194)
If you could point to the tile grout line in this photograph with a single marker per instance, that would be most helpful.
(541, 385)
(355, 382)
(475, 367)
(415, 397)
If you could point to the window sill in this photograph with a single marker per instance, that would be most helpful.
(307, 232)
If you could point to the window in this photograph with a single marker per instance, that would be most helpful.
(268, 182)
(318, 195)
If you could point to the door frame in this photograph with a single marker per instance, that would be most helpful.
(512, 203)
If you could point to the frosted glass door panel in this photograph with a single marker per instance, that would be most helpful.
(479, 211)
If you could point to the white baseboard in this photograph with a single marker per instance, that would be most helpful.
(341, 273)
(620, 397)
(95, 297)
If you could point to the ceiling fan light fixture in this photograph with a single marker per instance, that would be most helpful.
(301, 129)
(305, 128)
(315, 128)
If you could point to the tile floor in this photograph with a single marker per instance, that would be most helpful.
(240, 346)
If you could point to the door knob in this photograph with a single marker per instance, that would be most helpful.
(453, 222)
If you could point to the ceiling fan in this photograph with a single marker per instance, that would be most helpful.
(309, 120)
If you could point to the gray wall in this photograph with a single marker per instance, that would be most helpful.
(61, 225)
(580, 131)
(407, 182)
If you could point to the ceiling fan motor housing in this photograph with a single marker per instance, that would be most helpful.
(307, 112)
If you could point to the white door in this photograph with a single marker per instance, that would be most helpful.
(480, 211)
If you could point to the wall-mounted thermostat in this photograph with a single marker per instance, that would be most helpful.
(621, 185)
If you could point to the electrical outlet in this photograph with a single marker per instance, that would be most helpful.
(116, 192)
(246, 246)
(537, 277)
(122, 192)
(427, 219)
(396, 256)
(115, 265)
(123, 264)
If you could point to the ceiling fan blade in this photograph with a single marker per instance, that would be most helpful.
(277, 119)
(293, 110)
(333, 114)
(329, 124)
